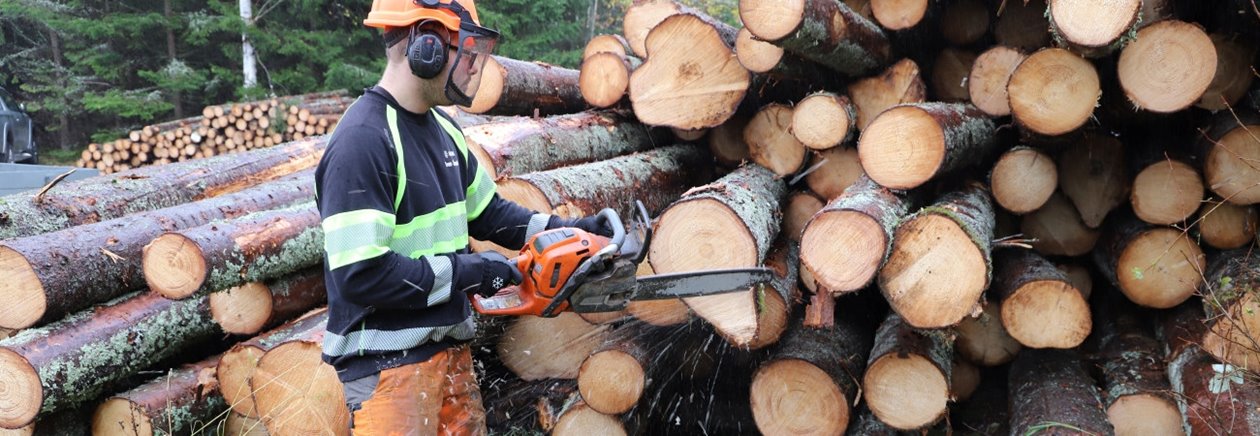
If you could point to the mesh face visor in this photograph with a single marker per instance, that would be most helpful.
(476, 44)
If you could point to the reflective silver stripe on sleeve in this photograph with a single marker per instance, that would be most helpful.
(537, 224)
(442, 271)
(359, 341)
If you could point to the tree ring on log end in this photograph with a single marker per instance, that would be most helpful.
(1023, 180)
(899, 14)
(1144, 414)
(903, 148)
(242, 310)
(1160, 268)
(611, 381)
(1091, 23)
(21, 394)
(491, 88)
(583, 420)
(719, 240)
(295, 391)
(234, 371)
(843, 249)
(906, 393)
(1233, 336)
(771, 20)
(1230, 170)
(935, 274)
(1168, 67)
(1166, 192)
(604, 79)
(120, 415)
(792, 396)
(174, 266)
(1047, 314)
(756, 56)
(821, 121)
(21, 291)
(1053, 91)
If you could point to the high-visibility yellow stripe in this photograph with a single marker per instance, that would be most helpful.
(447, 246)
(456, 135)
(343, 258)
(429, 219)
(391, 114)
(357, 217)
(479, 194)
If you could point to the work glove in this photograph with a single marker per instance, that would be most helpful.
(591, 224)
(496, 272)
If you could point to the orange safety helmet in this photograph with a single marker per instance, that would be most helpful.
(403, 13)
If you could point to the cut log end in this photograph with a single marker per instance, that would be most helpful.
(1227, 226)
(720, 239)
(642, 18)
(1145, 414)
(1166, 192)
(756, 55)
(843, 249)
(242, 310)
(1047, 314)
(899, 14)
(687, 86)
(903, 148)
(983, 340)
(21, 290)
(604, 79)
(297, 393)
(1233, 337)
(801, 206)
(1233, 73)
(989, 76)
(900, 83)
(1023, 180)
(931, 251)
(1053, 92)
(21, 394)
(1229, 168)
(822, 121)
(121, 416)
(614, 44)
(906, 393)
(1168, 67)
(582, 420)
(1057, 229)
(493, 77)
(791, 396)
(235, 369)
(837, 168)
(660, 312)
(537, 348)
(771, 20)
(611, 381)
(1160, 268)
(1092, 24)
(770, 141)
(174, 266)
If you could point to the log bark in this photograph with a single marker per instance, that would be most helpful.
(1092, 174)
(940, 261)
(825, 31)
(1232, 145)
(983, 340)
(1233, 72)
(1023, 179)
(950, 71)
(1154, 266)
(252, 307)
(44, 273)
(224, 254)
(849, 240)
(771, 143)
(1168, 66)
(832, 171)
(184, 400)
(526, 145)
(1079, 276)
(898, 84)
(1041, 308)
(688, 86)
(1057, 229)
(536, 348)
(824, 120)
(991, 72)
(1227, 226)
(910, 144)
(907, 375)
(1092, 29)
(237, 366)
(1053, 92)
(1051, 393)
(770, 61)
(1135, 385)
(1232, 304)
(1166, 191)
(1213, 398)
(798, 209)
(605, 77)
(512, 87)
(72, 361)
(295, 392)
(99, 199)
(1023, 25)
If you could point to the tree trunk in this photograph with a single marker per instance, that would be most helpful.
(605, 78)
(770, 141)
(986, 84)
(44, 273)
(1232, 304)
(103, 198)
(526, 145)
(254, 306)
(617, 373)
(1051, 393)
(907, 376)
(1092, 174)
(183, 401)
(1040, 306)
(536, 348)
(1154, 266)
(1233, 73)
(900, 83)
(1227, 226)
(983, 339)
(824, 120)
(512, 87)
(1135, 382)
(940, 261)
(237, 366)
(798, 209)
(1053, 92)
(848, 241)
(1231, 150)
(73, 361)
(295, 392)
(824, 31)
(688, 86)
(1213, 398)
(214, 257)
(1023, 179)
(832, 171)
(1161, 80)
(908, 145)
(1057, 229)
(950, 72)
(899, 14)
(248, 69)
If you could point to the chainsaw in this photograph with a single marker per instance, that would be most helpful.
(569, 269)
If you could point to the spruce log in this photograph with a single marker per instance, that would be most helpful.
(899, 14)
(1056, 229)
(254, 306)
(991, 72)
(907, 376)
(1136, 393)
(1166, 192)
(99, 199)
(1092, 174)
(70, 362)
(526, 145)
(44, 273)
(950, 72)
(846, 243)
(755, 318)
(1233, 72)
(613, 378)
(579, 419)
(512, 87)
(1079, 276)
(1154, 266)
(657, 312)
(824, 31)
(940, 261)
(1168, 66)
(223, 254)
(965, 22)
(983, 339)
(605, 77)
(772, 62)
(823, 120)
(1227, 226)
(1051, 393)
(832, 171)
(642, 17)
(688, 86)
(1214, 398)
(1040, 306)
(296, 392)
(1053, 92)
(1023, 25)
(900, 83)
(1228, 164)
(798, 209)
(726, 142)
(238, 364)
(1231, 301)
(183, 401)
(910, 144)
(1023, 179)
(771, 143)
(608, 43)
(537, 348)
(1093, 29)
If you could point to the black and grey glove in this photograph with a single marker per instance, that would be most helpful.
(495, 272)
(591, 224)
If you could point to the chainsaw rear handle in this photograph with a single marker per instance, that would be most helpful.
(619, 232)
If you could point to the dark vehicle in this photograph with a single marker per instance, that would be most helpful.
(17, 139)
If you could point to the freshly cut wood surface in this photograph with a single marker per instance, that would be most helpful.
(983, 339)
(1155, 266)
(823, 120)
(1023, 179)
(1214, 398)
(237, 366)
(1041, 308)
(182, 400)
(899, 14)
(837, 169)
(249, 308)
(771, 143)
(1233, 72)
(1227, 226)
(688, 86)
(537, 348)
(582, 420)
(604, 78)
(1136, 387)
(910, 144)
(609, 43)
(1092, 174)
(1092, 28)
(907, 375)
(797, 211)
(1228, 168)
(1053, 92)
(641, 18)
(900, 83)
(657, 312)
(771, 61)
(1168, 67)
(296, 392)
(1167, 192)
(846, 243)
(1057, 229)
(613, 378)
(990, 73)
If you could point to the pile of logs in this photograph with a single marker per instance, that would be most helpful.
(983, 216)
(221, 129)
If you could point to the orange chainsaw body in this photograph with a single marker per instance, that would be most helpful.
(546, 262)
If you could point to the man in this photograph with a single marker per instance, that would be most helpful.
(399, 194)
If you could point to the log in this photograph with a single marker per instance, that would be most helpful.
(1023, 179)
(1053, 92)
(45, 272)
(1213, 398)
(1166, 192)
(1233, 145)
(964, 379)
(771, 143)
(608, 43)
(240, 425)
(1154, 266)
(1050, 393)
(989, 76)
(1232, 305)
(1057, 229)
(580, 419)
(950, 72)
(823, 120)
(769, 61)
(1079, 276)
(99, 199)
(642, 17)
(184, 400)
(517, 404)
(726, 142)
(1135, 385)
(1040, 307)
(1233, 73)
(296, 392)
(849, 240)
(512, 87)
(526, 145)
(824, 31)
(1092, 29)
(605, 77)
(1168, 66)
(864, 423)
(910, 144)
(1092, 174)
(254, 306)
(237, 366)
(986, 411)
(1227, 226)
(688, 86)
(983, 340)
(940, 261)
(798, 209)
(1023, 25)
(72, 361)
(535, 348)
(898, 84)
(965, 22)
(757, 317)
(614, 377)
(906, 384)
(899, 14)
(223, 254)
(832, 171)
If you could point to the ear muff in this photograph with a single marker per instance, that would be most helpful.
(426, 55)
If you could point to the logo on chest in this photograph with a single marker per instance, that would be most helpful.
(450, 159)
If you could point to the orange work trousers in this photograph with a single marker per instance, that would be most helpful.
(436, 397)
